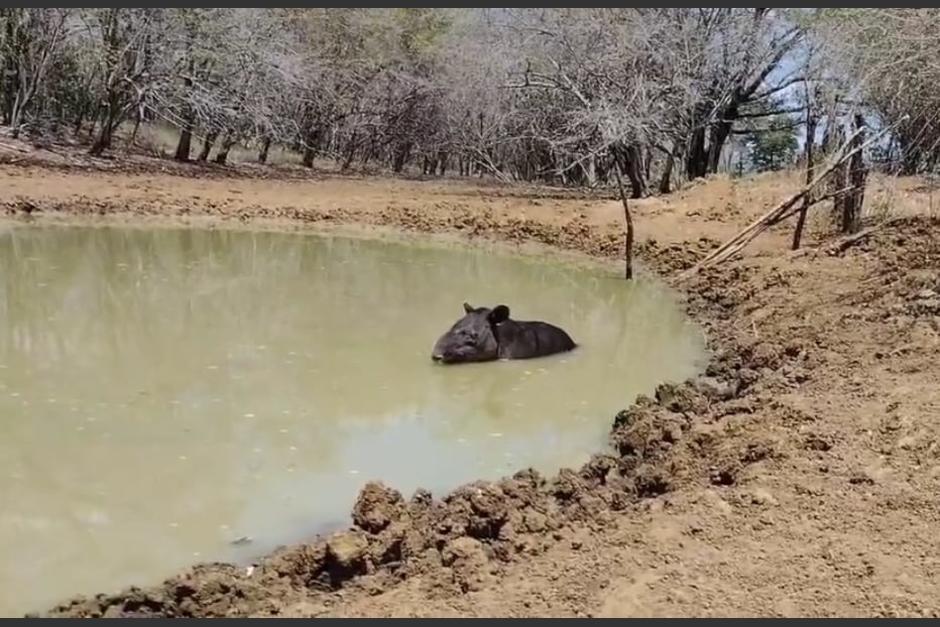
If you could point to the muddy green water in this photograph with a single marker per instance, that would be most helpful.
(167, 392)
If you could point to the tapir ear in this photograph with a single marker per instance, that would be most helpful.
(468, 307)
(499, 314)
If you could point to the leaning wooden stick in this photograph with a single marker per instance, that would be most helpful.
(779, 212)
(628, 220)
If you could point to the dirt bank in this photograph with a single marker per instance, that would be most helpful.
(797, 476)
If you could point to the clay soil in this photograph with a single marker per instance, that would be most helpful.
(797, 476)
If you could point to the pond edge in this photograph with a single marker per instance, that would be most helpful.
(468, 533)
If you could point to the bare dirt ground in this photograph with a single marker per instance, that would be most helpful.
(798, 476)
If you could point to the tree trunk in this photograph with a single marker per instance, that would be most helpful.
(630, 162)
(718, 136)
(442, 162)
(80, 120)
(103, 141)
(839, 181)
(350, 152)
(5, 114)
(401, 157)
(15, 116)
(858, 175)
(589, 169)
(311, 141)
(263, 153)
(111, 118)
(227, 142)
(309, 153)
(696, 160)
(184, 145)
(8, 79)
(207, 143)
(665, 183)
(910, 159)
(92, 128)
(810, 142)
(833, 138)
(133, 138)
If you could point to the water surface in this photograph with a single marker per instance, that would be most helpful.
(165, 393)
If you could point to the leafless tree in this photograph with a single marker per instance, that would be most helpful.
(562, 96)
(29, 41)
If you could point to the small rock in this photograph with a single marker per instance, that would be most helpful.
(678, 398)
(422, 498)
(651, 481)
(757, 451)
(710, 386)
(816, 442)
(114, 611)
(765, 355)
(346, 553)
(534, 521)
(723, 475)
(467, 559)
(462, 549)
(930, 304)
(761, 496)
(376, 507)
(907, 442)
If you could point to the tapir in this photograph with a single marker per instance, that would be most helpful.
(484, 334)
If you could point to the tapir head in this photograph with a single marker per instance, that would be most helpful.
(473, 337)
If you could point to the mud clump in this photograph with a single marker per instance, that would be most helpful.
(377, 507)
(466, 536)
(468, 562)
(651, 481)
(645, 430)
(301, 566)
(346, 554)
(210, 590)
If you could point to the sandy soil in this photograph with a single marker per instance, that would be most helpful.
(796, 477)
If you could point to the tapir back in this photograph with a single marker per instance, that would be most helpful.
(520, 339)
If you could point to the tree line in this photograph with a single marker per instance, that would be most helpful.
(566, 96)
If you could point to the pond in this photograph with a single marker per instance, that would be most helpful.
(169, 396)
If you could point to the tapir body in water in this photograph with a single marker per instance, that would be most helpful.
(485, 334)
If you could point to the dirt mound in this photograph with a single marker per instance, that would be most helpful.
(907, 281)
(899, 294)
